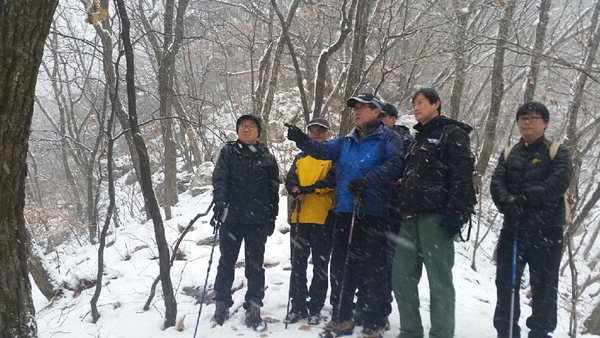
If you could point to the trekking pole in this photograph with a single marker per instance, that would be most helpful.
(216, 223)
(344, 274)
(297, 206)
(513, 282)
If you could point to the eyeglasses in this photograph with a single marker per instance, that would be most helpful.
(317, 130)
(530, 118)
(248, 126)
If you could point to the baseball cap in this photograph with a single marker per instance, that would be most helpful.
(317, 121)
(366, 98)
(389, 109)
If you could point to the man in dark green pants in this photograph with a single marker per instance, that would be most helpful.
(436, 197)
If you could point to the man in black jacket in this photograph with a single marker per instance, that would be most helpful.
(436, 197)
(245, 182)
(528, 187)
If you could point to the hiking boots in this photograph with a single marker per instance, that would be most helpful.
(371, 333)
(314, 319)
(254, 320)
(221, 312)
(339, 328)
(294, 316)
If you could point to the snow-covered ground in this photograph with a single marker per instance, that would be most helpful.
(131, 266)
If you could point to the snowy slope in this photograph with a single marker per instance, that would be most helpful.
(131, 266)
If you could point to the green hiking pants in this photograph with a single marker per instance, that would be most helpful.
(421, 241)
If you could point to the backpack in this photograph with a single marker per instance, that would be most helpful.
(552, 153)
(473, 165)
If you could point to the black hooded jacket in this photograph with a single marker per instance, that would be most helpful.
(438, 174)
(247, 179)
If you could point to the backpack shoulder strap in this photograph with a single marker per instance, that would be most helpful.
(553, 149)
(507, 151)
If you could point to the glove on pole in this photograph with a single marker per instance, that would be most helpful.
(220, 208)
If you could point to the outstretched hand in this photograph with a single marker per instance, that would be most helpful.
(295, 134)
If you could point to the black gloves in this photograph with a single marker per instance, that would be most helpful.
(309, 189)
(452, 223)
(296, 134)
(357, 185)
(515, 205)
(321, 184)
(219, 213)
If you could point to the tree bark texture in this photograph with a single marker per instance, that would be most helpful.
(173, 28)
(326, 53)
(39, 270)
(359, 45)
(497, 88)
(145, 177)
(24, 26)
(538, 50)
(461, 14)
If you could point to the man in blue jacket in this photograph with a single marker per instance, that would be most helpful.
(368, 160)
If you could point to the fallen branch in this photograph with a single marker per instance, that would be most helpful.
(175, 248)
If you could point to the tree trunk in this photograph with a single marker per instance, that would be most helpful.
(538, 50)
(39, 271)
(357, 61)
(173, 34)
(321, 75)
(109, 213)
(24, 26)
(497, 88)
(275, 66)
(592, 323)
(110, 75)
(460, 41)
(145, 174)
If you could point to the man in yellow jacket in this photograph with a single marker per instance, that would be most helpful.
(312, 188)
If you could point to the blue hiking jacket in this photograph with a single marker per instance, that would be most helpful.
(378, 157)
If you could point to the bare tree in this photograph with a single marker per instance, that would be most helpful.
(173, 35)
(538, 48)
(24, 25)
(462, 11)
(145, 172)
(573, 138)
(497, 88)
(357, 62)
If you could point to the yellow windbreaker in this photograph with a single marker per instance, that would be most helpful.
(313, 207)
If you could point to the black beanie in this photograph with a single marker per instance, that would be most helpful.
(251, 117)
(534, 107)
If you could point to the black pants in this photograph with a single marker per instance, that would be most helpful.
(394, 220)
(304, 239)
(230, 237)
(541, 250)
(363, 266)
